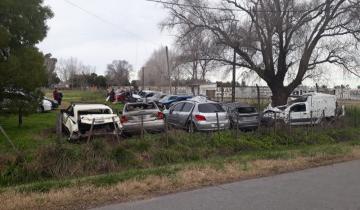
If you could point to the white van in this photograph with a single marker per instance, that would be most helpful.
(310, 108)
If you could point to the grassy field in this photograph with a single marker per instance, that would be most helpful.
(47, 172)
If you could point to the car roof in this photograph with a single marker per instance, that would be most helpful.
(90, 106)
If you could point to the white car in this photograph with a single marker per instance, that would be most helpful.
(78, 119)
(45, 106)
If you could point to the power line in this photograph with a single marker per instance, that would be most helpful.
(117, 27)
(219, 8)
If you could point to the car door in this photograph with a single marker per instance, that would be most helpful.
(69, 118)
(174, 114)
(299, 114)
(184, 114)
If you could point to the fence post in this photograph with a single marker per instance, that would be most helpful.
(8, 139)
(91, 131)
(237, 125)
(166, 131)
(116, 130)
(290, 122)
(275, 122)
(142, 126)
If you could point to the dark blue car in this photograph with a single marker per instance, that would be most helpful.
(167, 101)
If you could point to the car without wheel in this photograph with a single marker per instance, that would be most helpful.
(79, 120)
(198, 114)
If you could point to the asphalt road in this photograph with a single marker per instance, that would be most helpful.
(330, 187)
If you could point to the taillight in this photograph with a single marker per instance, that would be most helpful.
(200, 118)
(160, 115)
(123, 119)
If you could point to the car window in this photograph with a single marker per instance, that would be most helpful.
(210, 108)
(245, 110)
(94, 111)
(298, 108)
(70, 111)
(178, 107)
(172, 98)
(150, 95)
(139, 107)
(187, 107)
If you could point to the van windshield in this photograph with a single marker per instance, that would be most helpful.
(210, 108)
(298, 100)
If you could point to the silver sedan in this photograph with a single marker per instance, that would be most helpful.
(138, 116)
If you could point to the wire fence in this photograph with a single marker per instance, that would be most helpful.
(271, 123)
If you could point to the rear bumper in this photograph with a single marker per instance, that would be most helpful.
(246, 125)
(212, 126)
(151, 126)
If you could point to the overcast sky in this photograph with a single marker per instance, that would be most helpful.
(123, 29)
(119, 29)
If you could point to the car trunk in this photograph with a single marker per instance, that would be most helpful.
(211, 117)
(145, 115)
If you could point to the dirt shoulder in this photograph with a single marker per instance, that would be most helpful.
(80, 194)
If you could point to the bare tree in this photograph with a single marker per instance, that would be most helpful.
(156, 72)
(282, 41)
(74, 72)
(118, 73)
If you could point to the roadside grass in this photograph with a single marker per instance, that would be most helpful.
(145, 183)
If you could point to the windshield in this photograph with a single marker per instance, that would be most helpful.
(246, 110)
(299, 99)
(168, 98)
(139, 107)
(210, 108)
(94, 111)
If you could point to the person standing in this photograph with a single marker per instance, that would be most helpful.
(56, 95)
(112, 95)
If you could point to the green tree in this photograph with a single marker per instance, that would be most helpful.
(22, 70)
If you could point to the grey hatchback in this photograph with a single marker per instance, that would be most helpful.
(194, 115)
(242, 116)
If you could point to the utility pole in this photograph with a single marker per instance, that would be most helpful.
(233, 78)
(168, 67)
(143, 78)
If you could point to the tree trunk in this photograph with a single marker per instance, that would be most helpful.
(280, 96)
(20, 117)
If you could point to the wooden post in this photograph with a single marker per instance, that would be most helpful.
(233, 79)
(143, 78)
(168, 68)
(116, 129)
(8, 139)
(91, 131)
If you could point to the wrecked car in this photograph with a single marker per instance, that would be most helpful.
(311, 108)
(81, 120)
